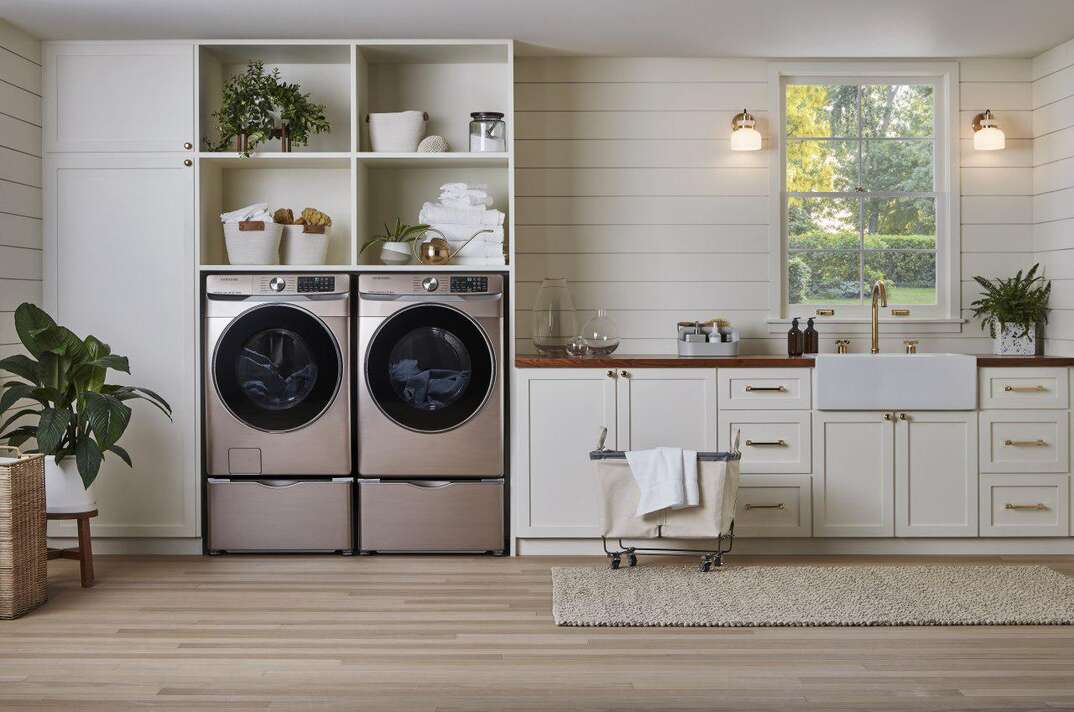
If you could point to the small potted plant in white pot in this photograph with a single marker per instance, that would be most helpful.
(1015, 311)
(61, 400)
(396, 243)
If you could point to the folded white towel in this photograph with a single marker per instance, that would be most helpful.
(431, 213)
(454, 233)
(257, 211)
(664, 479)
(459, 188)
(466, 201)
(476, 248)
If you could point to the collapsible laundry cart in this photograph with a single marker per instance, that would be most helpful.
(713, 518)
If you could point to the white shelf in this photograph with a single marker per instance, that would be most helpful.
(456, 159)
(268, 159)
(355, 268)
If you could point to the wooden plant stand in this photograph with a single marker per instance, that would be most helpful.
(83, 553)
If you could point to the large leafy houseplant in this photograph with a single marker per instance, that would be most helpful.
(300, 116)
(61, 388)
(1020, 301)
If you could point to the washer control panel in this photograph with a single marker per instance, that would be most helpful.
(250, 285)
(469, 284)
(316, 283)
(425, 284)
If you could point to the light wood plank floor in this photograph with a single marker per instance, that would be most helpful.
(314, 634)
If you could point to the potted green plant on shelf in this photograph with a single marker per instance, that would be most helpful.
(1015, 311)
(396, 243)
(60, 399)
(254, 101)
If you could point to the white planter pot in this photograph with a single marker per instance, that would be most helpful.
(396, 253)
(64, 492)
(398, 132)
(1011, 342)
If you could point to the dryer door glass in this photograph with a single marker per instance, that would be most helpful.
(429, 368)
(277, 367)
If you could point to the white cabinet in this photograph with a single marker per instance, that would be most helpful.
(119, 97)
(118, 265)
(1020, 387)
(774, 506)
(1025, 505)
(765, 388)
(1017, 441)
(558, 416)
(936, 474)
(854, 472)
(771, 442)
(666, 407)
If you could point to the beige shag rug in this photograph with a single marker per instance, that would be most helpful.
(742, 596)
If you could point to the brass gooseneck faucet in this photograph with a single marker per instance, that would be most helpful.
(880, 299)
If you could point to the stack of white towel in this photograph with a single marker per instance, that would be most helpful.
(461, 211)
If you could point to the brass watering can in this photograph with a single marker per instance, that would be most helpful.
(437, 250)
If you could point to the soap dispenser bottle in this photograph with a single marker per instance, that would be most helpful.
(812, 338)
(794, 339)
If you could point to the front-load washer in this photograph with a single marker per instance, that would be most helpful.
(430, 375)
(277, 387)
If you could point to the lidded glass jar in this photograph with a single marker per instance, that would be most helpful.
(554, 319)
(601, 334)
(488, 132)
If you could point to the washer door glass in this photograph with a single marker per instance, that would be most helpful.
(277, 367)
(429, 368)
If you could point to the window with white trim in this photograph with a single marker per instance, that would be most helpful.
(864, 175)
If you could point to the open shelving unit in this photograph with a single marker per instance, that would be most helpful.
(338, 173)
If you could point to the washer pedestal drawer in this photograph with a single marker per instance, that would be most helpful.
(281, 515)
(434, 516)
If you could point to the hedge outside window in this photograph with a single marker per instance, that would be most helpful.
(860, 191)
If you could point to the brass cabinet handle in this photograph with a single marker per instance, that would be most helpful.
(779, 506)
(1024, 389)
(1038, 507)
(776, 389)
(767, 443)
(611, 374)
(188, 163)
(625, 374)
(188, 145)
(1025, 443)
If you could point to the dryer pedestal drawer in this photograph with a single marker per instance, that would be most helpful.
(281, 515)
(431, 516)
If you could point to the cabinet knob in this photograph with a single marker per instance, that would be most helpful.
(887, 416)
(611, 374)
(188, 163)
(188, 145)
(625, 374)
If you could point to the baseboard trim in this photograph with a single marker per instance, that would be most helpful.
(158, 546)
(591, 547)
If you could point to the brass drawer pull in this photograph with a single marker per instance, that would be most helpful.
(1038, 507)
(779, 506)
(1024, 389)
(776, 389)
(1025, 443)
(766, 443)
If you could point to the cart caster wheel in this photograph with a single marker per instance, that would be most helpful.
(632, 560)
(615, 562)
(706, 565)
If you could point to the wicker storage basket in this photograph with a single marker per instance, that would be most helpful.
(304, 244)
(23, 548)
(252, 242)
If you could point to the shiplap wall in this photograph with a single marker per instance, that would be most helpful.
(1053, 187)
(626, 185)
(20, 177)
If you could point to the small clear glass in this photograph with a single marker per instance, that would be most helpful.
(601, 334)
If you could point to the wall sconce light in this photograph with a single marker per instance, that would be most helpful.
(986, 133)
(744, 137)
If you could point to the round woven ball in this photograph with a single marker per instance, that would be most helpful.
(433, 144)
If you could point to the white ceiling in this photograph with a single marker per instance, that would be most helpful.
(713, 28)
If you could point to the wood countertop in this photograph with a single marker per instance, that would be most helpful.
(674, 361)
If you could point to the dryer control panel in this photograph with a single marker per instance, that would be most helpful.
(287, 284)
(430, 284)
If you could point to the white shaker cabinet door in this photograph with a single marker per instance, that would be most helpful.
(936, 474)
(667, 407)
(119, 264)
(558, 415)
(119, 97)
(854, 469)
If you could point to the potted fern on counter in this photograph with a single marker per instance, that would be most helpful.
(60, 399)
(1015, 311)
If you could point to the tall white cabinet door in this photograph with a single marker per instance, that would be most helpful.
(119, 96)
(667, 407)
(854, 470)
(119, 256)
(936, 474)
(559, 413)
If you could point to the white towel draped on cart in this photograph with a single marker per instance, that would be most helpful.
(666, 477)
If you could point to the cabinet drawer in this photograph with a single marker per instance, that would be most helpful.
(771, 441)
(1024, 505)
(774, 506)
(1025, 441)
(430, 515)
(1024, 388)
(765, 388)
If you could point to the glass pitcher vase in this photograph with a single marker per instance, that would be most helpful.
(554, 319)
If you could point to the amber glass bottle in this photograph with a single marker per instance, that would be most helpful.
(794, 339)
(812, 338)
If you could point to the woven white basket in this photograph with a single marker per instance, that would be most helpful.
(398, 132)
(252, 246)
(303, 248)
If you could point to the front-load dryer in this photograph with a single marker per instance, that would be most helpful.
(277, 386)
